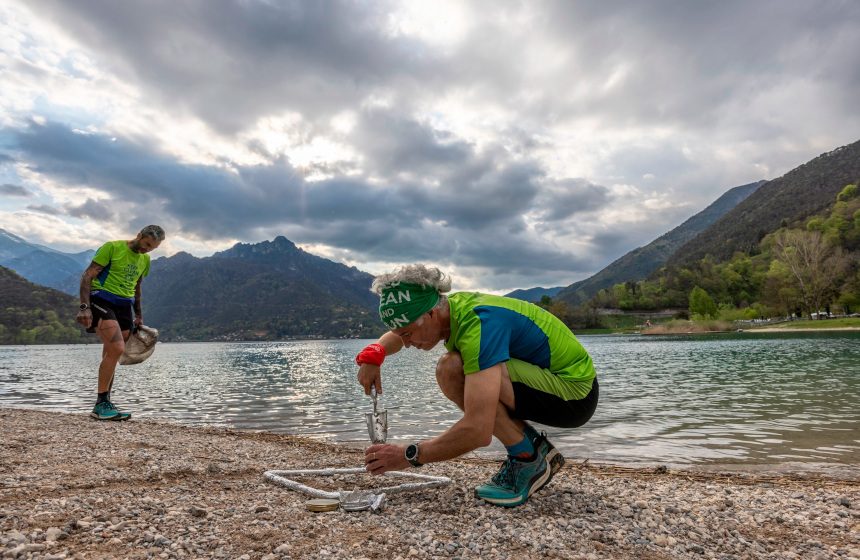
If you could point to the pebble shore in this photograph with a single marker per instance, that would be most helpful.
(72, 487)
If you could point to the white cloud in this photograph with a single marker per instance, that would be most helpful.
(567, 133)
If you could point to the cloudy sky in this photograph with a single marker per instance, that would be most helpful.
(514, 144)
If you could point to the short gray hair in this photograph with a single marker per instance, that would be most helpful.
(153, 231)
(413, 274)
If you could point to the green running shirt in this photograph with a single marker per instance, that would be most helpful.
(487, 330)
(122, 269)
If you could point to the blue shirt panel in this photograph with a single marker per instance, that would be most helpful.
(102, 277)
(506, 334)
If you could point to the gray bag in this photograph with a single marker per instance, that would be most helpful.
(140, 345)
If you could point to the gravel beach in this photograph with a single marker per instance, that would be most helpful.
(72, 487)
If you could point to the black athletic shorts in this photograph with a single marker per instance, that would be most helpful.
(552, 410)
(104, 309)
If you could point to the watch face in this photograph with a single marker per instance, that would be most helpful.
(411, 452)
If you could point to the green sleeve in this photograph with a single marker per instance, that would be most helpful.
(103, 255)
(469, 342)
(146, 268)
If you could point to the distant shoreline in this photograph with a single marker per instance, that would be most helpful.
(800, 329)
(755, 330)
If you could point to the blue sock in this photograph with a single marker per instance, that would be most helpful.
(522, 450)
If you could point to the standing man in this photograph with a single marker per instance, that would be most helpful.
(110, 290)
(508, 361)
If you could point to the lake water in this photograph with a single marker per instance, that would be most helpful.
(736, 398)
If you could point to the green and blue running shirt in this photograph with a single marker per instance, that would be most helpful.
(487, 330)
(122, 269)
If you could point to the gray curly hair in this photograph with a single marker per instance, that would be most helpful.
(413, 274)
(153, 231)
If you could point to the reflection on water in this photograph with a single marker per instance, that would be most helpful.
(720, 398)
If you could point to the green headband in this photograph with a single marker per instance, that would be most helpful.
(401, 304)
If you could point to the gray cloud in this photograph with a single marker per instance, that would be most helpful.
(698, 97)
(312, 57)
(92, 209)
(44, 209)
(14, 190)
(562, 199)
(478, 223)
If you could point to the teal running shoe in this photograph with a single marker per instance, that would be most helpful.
(106, 410)
(121, 415)
(545, 448)
(516, 481)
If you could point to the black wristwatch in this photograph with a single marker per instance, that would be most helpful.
(412, 455)
(84, 306)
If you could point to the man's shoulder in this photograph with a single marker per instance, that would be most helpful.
(472, 300)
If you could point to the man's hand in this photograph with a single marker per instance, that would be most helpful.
(370, 375)
(383, 457)
(138, 319)
(85, 317)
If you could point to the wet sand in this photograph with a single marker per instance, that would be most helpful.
(72, 487)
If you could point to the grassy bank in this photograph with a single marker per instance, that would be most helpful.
(678, 326)
(841, 323)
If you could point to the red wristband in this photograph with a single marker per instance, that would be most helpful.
(372, 354)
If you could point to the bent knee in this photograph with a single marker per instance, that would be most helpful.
(115, 349)
(449, 377)
(451, 363)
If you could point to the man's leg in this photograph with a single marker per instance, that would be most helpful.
(520, 474)
(125, 335)
(452, 382)
(113, 345)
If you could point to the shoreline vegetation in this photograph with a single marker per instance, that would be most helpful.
(678, 326)
(72, 487)
(670, 327)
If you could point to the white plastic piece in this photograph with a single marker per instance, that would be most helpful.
(281, 478)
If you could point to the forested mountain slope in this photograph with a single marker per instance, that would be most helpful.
(265, 291)
(802, 192)
(31, 314)
(641, 262)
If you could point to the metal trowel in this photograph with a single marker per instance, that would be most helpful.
(377, 421)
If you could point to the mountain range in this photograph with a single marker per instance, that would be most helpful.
(33, 314)
(535, 294)
(43, 265)
(642, 261)
(274, 290)
(265, 291)
(787, 201)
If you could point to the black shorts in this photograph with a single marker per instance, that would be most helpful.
(103, 309)
(552, 410)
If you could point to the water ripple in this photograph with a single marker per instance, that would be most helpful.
(694, 399)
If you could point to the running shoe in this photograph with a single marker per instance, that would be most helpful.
(106, 410)
(120, 415)
(516, 480)
(542, 444)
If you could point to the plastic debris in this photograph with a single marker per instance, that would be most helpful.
(140, 345)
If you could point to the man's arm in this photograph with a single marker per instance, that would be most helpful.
(474, 430)
(369, 374)
(138, 309)
(85, 316)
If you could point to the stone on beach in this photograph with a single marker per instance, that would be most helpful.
(155, 495)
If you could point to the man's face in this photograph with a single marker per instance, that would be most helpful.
(144, 244)
(424, 333)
